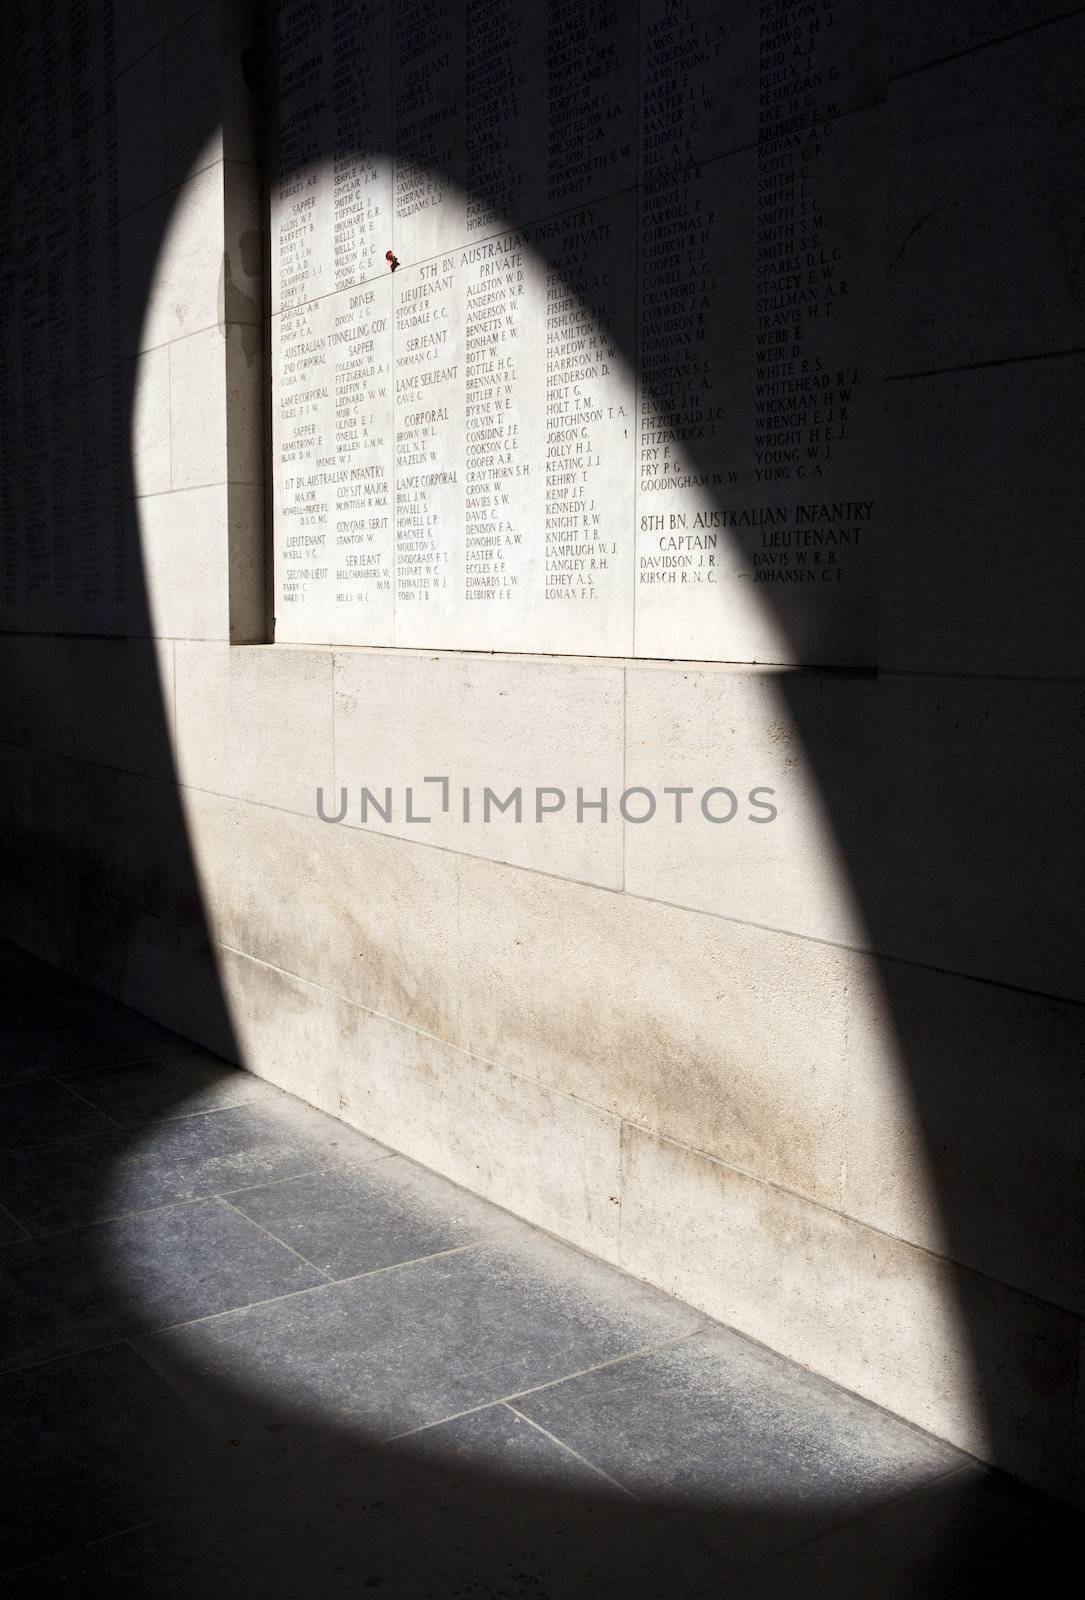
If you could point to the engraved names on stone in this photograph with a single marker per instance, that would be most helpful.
(590, 425)
(332, 323)
(591, 78)
(430, 408)
(621, 394)
(62, 378)
(514, 439)
(761, 315)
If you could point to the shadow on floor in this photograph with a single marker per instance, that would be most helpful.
(282, 1361)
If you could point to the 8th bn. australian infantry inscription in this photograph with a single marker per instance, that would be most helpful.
(622, 392)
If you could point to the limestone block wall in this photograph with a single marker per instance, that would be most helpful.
(821, 1078)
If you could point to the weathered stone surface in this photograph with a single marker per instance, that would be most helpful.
(254, 724)
(484, 1127)
(873, 1313)
(729, 1037)
(509, 727)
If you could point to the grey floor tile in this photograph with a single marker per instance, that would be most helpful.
(389, 1212)
(22, 973)
(970, 1533)
(112, 1446)
(372, 1357)
(484, 1508)
(750, 1453)
(53, 1024)
(46, 1039)
(343, 1149)
(42, 1110)
(9, 1228)
(75, 1182)
(71, 1291)
(171, 1086)
(62, 1185)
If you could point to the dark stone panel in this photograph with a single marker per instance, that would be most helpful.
(40, 1111)
(485, 1508)
(970, 1533)
(112, 1447)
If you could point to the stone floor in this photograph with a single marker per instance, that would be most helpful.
(248, 1352)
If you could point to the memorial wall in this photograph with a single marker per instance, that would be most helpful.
(671, 397)
(62, 446)
(578, 328)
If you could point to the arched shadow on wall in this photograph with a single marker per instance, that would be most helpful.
(278, 1533)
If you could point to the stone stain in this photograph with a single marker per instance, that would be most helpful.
(235, 303)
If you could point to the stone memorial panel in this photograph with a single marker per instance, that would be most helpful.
(577, 328)
(62, 549)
